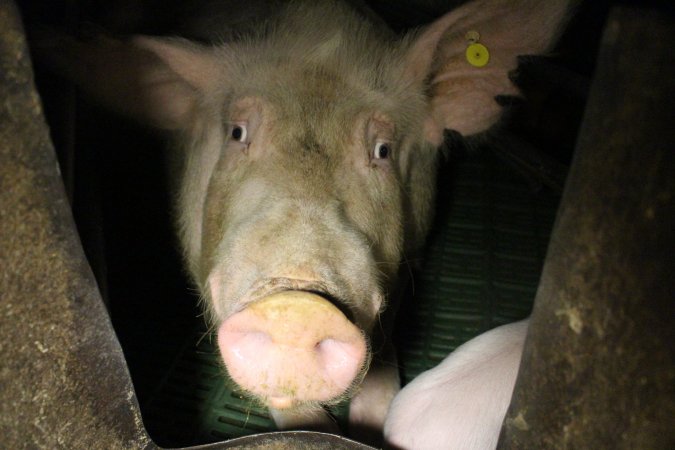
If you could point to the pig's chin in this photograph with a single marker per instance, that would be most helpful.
(284, 400)
(288, 402)
(293, 349)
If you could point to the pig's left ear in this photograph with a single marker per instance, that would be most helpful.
(466, 57)
(156, 81)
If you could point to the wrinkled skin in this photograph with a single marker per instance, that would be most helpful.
(309, 147)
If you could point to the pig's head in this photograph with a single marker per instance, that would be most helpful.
(309, 168)
(323, 181)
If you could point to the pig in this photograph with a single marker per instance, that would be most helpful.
(307, 137)
(460, 403)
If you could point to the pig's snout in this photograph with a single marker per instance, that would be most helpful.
(292, 347)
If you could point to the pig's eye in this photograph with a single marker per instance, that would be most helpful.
(238, 133)
(382, 150)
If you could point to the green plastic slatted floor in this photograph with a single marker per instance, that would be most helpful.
(481, 270)
(482, 263)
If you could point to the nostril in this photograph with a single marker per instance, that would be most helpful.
(338, 352)
(244, 346)
(340, 360)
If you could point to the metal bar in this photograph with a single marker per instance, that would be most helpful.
(598, 369)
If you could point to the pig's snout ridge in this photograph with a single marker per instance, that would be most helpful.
(292, 347)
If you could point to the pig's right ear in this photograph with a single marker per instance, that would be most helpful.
(157, 81)
(466, 56)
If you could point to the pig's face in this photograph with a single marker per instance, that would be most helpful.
(311, 192)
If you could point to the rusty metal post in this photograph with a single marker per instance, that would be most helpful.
(63, 380)
(598, 368)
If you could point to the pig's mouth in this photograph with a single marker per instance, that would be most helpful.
(291, 344)
(270, 286)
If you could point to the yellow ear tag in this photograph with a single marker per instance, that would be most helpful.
(476, 54)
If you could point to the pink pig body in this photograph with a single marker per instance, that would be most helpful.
(307, 134)
(460, 403)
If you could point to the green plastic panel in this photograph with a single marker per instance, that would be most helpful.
(197, 403)
(482, 262)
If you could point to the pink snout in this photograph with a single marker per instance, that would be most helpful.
(292, 347)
